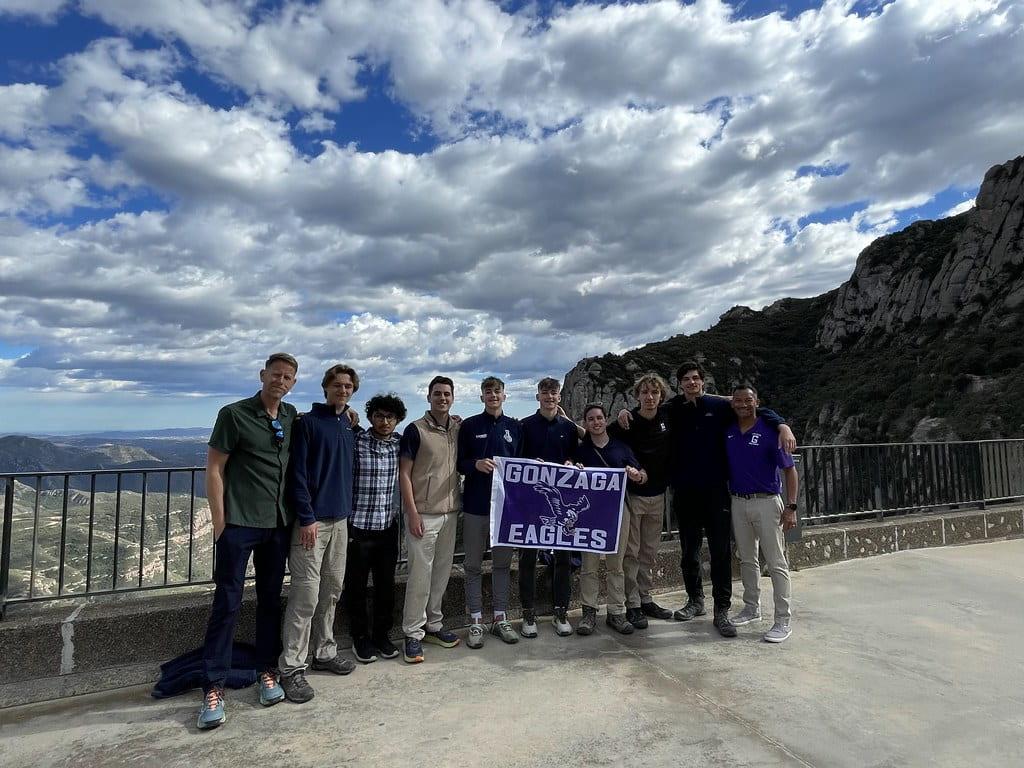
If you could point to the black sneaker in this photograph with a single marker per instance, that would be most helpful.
(636, 617)
(385, 648)
(619, 623)
(337, 665)
(655, 611)
(296, 688)
(691, 610)
(364, 650)
(725, 627)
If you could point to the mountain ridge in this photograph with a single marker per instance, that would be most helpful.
(920, 343)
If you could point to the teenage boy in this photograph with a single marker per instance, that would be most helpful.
(482, 438)
(373, 530)
(599, 449)
(320, 488)
(759, 516)
(429, 481)
(547, 436)
(648, 437)
(245, 480)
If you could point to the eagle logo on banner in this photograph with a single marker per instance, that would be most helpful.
(562, 514)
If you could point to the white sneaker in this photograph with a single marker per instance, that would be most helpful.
(529, 628)
(561, 623)
(477, 633)
(779, 632)
(747, 616)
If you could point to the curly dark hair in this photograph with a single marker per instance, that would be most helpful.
(389, 403)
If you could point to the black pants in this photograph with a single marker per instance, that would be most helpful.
(268, 548)
(369, 552)
(704, 512)
(561, 578)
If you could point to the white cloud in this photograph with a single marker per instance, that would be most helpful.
(43, 10)
(614, 175)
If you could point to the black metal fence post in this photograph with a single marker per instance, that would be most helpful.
(5, 544)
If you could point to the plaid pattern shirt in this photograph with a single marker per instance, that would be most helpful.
(375, 498)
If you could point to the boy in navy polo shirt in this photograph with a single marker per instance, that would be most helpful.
(758, 514)
(481, 438)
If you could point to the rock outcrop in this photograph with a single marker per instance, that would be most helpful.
(922, 342)
(968, 268)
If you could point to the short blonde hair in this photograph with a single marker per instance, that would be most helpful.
(651, 379)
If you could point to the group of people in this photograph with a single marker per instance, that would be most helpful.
(324, 496)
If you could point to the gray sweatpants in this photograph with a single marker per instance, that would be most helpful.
(476, 535)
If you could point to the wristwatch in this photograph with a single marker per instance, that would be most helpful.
(791, 507)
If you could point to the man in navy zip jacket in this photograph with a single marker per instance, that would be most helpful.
(481, 439)
(320, 491)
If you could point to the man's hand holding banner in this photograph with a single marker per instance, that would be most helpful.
(539, 505)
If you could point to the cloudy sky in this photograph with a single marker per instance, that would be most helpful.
(466, 187)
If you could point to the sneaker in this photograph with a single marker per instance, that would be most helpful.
(619, 623)
(443, 637)
(385, 648)
(588, 622)
(475, 639)
(337, 665)
(723, 625)
(778, 633)
(636, 617)
(270, 689)
(691, 610)
(747, 616)
(561, 623)
(504, 630)
(529, 628)
(413, 651)
(655, 611)
(211, 714)
(364, 650)
(296, 688)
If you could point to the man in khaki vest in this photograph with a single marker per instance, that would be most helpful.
(431, 497)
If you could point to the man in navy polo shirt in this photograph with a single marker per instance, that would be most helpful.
(547, 436)
(481, 439)
(599, 449)
(758, 513)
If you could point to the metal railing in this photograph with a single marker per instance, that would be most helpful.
(96, 532)
(846, 482)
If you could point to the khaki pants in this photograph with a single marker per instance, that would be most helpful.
(646, 518)
(615, 580)
(318, 575)
(430, 566)
(756, 521)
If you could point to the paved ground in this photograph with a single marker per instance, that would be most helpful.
(910, 659)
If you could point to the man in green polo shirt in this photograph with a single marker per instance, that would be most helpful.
(245, 479)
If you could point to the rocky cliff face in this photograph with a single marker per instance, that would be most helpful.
(921, 343)
(968, 269)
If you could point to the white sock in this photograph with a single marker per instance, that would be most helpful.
(476, 616)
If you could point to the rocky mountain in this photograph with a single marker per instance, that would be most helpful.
(921, 343)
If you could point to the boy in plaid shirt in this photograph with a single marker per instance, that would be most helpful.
(373, 530)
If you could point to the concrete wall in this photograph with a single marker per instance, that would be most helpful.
(84, 645)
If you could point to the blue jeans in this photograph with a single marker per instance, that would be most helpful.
(269, 549)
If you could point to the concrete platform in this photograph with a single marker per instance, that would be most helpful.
(906, 659)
